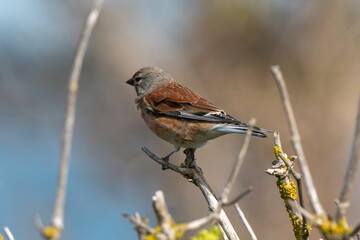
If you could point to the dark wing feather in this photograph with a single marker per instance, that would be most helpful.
(178, 101)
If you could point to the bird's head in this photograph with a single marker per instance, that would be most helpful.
(148, 79)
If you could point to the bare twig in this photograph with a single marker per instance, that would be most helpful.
(139, 223)
(350, 171)
(8, 233)
(213, 204)
(238, 198)
(163, 216)
(58, 214)
(198, 223)
(181, 170)
(355, 231)
(194, 174)
(235, 170)
(296, 142)
(245, 222)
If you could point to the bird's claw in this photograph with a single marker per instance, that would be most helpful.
(166, 164)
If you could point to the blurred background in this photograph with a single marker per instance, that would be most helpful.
(222, 50)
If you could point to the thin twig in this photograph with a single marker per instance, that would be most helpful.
(194, 174)
(138, 223)
(349, 180)
(235, 170)
(163, 216)
(181, 170)
(198, 223)
(296, 142)
(245, 222)
(355, 231)
(58, 214)
(213, 203)
(8, 233)
(238, 198)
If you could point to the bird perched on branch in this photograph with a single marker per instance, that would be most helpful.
(180, 116)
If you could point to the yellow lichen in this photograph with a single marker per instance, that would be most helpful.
(277, 149)
(214, 233)
(301, 230)
(287, 191)
(50, 232)
(333, 230)
(178, 228)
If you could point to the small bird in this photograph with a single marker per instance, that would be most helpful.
(180, 116)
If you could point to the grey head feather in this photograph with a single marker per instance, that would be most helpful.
(148, 79)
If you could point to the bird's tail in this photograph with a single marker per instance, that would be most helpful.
(242, 129)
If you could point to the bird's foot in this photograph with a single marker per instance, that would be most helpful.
(166, 164)
(190, 157)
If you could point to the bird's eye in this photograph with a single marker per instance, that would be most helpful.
(138, 80)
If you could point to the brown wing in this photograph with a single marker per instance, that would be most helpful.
(174, 97)
(178, 101)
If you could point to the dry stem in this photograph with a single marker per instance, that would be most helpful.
(58, 214)
(8, 233)
(296, 142)
(195, 175)
(245, 222)
(349, 180)
(235, 170)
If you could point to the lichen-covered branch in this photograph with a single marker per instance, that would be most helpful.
(283, 168)
(296, 142)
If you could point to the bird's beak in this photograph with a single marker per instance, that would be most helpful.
(131, 82)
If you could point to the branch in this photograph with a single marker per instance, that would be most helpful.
(282, 168)
(183, 171)
(168, 230)
(140, 225)
(238, 198)
(355, 231)
(198, 223)
(235, 170)
(163, 216)
(295, 174)
(194, 174)
(8, 233)
(350, 171)
(58, 213)
(295, 137)
(245, 222)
